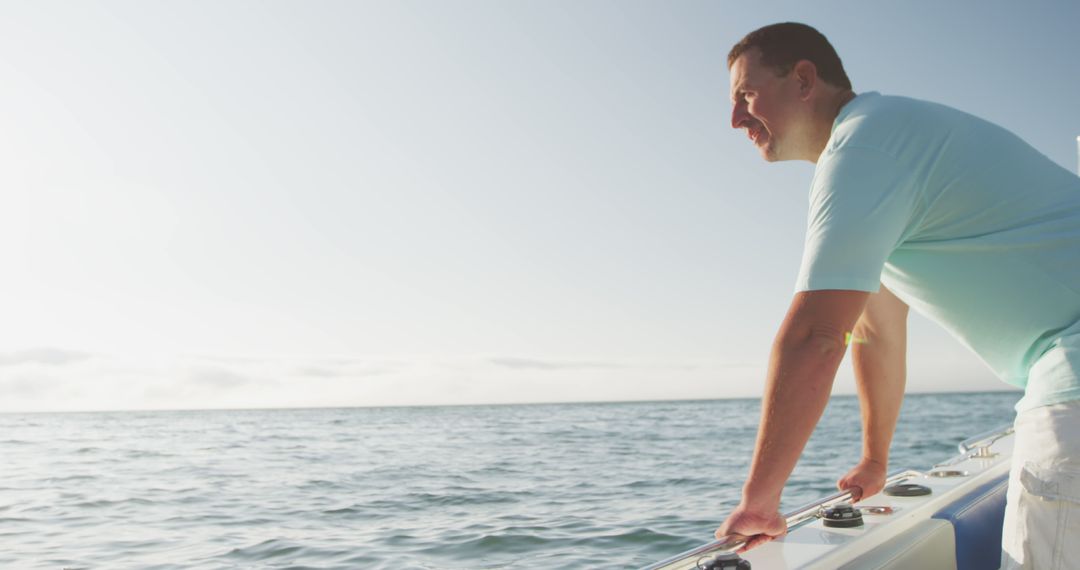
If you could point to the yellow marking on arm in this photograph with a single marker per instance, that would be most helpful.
(850, 339)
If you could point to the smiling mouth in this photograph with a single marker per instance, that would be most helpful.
(755, 134)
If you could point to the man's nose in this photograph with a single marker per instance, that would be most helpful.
(738, 115)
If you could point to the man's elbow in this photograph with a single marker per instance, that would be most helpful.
(818, 324)
(823, 340)
(866, 339)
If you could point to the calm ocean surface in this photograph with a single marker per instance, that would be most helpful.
(538, 486)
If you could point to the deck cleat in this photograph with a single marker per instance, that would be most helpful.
(726, 561)
(907, 490)
(947, 473)
(841, 515)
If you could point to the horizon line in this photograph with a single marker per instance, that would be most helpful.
(478, 404)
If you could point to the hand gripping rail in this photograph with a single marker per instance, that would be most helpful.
(691, 559)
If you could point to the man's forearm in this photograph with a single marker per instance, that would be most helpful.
(800, 377)
(880, 375)
(879, 358)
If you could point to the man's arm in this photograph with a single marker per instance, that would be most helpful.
(878, 354)
(803, 363)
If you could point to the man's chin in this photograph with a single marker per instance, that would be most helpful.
(772, 154)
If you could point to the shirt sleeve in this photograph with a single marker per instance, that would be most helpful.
(861, 205)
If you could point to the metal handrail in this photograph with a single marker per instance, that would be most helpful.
(985, 438)
(796, 518)
(972, 447)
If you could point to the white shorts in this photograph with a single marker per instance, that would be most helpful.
(1042, 512)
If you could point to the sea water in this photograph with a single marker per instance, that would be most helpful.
(557, 486)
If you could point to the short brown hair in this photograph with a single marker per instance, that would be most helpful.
(784, 45)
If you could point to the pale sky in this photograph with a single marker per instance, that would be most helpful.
(261, 204)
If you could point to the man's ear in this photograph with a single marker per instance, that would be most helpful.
(806, 75)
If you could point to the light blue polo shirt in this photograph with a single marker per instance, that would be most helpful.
(966, 223)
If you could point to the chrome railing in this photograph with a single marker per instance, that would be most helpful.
(978, 446)
(809, 512)
(984, 439)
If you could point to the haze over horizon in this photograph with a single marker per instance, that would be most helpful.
(248, 204)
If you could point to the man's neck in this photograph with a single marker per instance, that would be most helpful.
(831, 109)
(844, 99)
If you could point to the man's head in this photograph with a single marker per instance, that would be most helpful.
(787, 85)
(783, 45)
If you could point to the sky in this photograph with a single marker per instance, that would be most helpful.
(244, 204)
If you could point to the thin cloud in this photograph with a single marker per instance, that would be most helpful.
(26, 386)
(219, 378)
(47, 356)
(324, 371)
(316, 372)
(534, 364)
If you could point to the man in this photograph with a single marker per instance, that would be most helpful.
(914, 203)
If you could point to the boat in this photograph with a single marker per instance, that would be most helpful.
(946, 517)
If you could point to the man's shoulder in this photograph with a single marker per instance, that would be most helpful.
(899, 125)
(871, 111)
(875, 105)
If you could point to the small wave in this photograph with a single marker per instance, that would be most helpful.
(181, 490)
(146, 454)
(676, 482)
(353, 510)
(358, 512)
(360, 561)
(286, 437)
(503, 543)
(521, 542)
(322, 484)
(101, 503)
(70, 478)
(192, 500)
(267, 549)
(246, 523)
(635, 537)
(426, 501)
(503, 468)
(489, 498)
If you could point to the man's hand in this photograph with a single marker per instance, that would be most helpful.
(758, 527)
(867, 478)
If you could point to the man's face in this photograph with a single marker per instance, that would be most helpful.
(766, 105)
